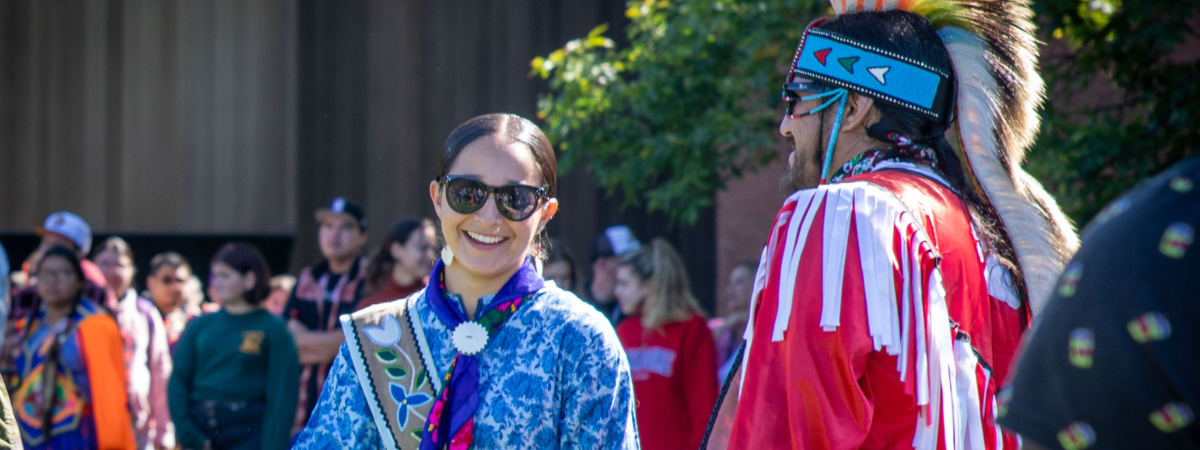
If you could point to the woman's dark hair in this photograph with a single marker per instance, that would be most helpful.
(380, 268)
(70, 255)
(558, 252)
(911, 35)
(508, 128)
(245, 258)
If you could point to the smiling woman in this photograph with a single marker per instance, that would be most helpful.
(487, 356)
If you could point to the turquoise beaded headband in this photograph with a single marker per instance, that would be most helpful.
(838, 61)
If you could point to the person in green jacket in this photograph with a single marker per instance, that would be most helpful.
(236, 372)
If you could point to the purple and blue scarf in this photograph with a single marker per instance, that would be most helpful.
(451, 419)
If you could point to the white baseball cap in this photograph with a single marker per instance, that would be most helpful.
(615, 241)
(70, 226)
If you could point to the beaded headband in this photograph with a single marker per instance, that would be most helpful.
(839, 61)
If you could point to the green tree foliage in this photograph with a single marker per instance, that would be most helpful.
(692, 101)
(1092, 149)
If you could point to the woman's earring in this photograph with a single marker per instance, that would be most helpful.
(447, 255)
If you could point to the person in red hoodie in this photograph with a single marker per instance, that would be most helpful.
(671, 352)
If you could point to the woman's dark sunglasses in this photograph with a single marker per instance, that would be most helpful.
(792, 92)
(516, 202)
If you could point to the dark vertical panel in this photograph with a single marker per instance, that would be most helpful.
(227, 157)
(59, 127)
(397, 171)
(198, 113)
(332, 78)
(154, 188)
(15, 37)
(66, 126)
(267, 137)
(113, 147)
(95, 60)
(35, 174)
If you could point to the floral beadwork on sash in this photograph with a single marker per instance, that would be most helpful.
(387, 355)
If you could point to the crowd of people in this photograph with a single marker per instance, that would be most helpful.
(240, 362)
(888, 309)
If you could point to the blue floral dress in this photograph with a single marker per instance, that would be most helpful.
(554, 377)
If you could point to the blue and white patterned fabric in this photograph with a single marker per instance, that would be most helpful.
(555, 376)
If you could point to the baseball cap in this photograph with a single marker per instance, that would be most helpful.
(70, 226)
(342, 206)
(614, 241)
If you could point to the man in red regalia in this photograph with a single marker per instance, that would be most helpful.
(903, 269)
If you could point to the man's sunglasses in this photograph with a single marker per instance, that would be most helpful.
(794, 91)
(516, 202)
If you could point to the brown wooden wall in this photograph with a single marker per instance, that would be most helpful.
(244, 116)
(163, 116)
(184, 117)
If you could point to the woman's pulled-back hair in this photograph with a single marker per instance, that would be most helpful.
(509, 128)
(380, 268)
(114, 244)
(670, 298)
(245, 258)
(911, 35)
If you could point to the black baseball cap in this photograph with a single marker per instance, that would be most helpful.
(342, 206)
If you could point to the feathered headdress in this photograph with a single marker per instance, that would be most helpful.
(994, 54)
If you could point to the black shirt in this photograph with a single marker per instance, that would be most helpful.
(1114, 360)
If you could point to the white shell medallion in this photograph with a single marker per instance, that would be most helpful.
(469, 338)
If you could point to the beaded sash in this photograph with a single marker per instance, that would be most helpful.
(390, 357)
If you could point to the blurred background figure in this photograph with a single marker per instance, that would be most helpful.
(281, 287)
(728, 329)
(323, 292)
(146, 354)
(560, 266)
(169, 272)
(236, 370)
(607, 250)
(68, 371)
(402, 264)
(5, 290)
(66, 229)
(69, 231)
(195, 299)
(73, 234)
(670, 348)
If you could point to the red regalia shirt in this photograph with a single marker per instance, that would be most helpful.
(879, 321)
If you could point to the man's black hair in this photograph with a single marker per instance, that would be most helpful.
(911, 35)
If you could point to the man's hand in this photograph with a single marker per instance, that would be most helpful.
(298, 329)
